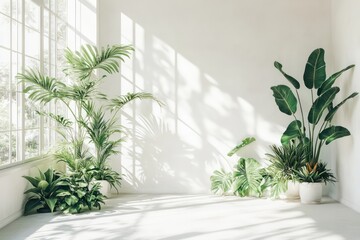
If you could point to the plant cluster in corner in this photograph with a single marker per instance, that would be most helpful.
(93, 118)
(311, 132)
(248, 178)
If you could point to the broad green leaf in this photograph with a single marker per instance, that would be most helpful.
(285, 99)
(63, 193)
(315, 73)
(333, 110)
(332, 133)
(32, 204)
(244, 143)
(221, 181)
(291, 132)
(321, 103)
(32, 180)
(71, 200)
(292, 80)
(330, 81)
(51, 202)
(49, 175)
(33, 190)
(247, 177)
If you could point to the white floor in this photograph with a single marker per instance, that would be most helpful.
(170, 217)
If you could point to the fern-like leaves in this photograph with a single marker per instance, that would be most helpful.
(41, 88)
(82, 63)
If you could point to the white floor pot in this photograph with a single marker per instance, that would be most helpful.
(293, 190)
(104, 187)
(310, 192)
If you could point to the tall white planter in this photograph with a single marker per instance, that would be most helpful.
(310, 192)
(104, 187)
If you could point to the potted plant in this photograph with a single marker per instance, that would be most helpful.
(285, 160)
(312, 177)
(87, 125)
(316, 129)
(248, 178)
(43, 193)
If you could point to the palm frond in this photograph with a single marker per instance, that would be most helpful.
(119, 102)
(41, 88)
(82, 63)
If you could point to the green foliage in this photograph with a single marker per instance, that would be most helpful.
(221, 182)
(43, 191)
(315, 172)
(248, 178)
(78, 192)
(95, 123)
(244, 142)
(318, 129)
(285, 161)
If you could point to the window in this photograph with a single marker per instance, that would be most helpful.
(34, 33)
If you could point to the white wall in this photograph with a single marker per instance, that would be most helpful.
(13, 186)
(346, 50)
(211, 62)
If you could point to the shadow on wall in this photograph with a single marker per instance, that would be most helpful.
(207, 73)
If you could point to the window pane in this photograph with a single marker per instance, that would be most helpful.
(46, 139)
(32, 44)
(4, 31)
(4, 69)
(5, 7)
(4, 148)
(31, 117)
(31, 143)
(14, 111)
(16, 68)
(16, 36)
(46, 22)
(32, 14)
(4, 110)
(13, 146)
(17, 10)
(32, 63)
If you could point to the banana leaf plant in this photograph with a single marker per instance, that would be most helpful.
(93, 115)
(316, 128)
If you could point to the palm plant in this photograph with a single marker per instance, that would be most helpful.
(79, 93)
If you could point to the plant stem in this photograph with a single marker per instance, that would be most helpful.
(301, 111)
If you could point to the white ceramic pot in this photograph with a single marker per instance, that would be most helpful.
(310, 192)
(293, 190)
(104, 187)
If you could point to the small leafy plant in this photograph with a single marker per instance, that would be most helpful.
(285, 161)
(43, 193)
(248, 178)
(315, 172)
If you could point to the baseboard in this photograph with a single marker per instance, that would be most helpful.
(10, 218)
(350, 204)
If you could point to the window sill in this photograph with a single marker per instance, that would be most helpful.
(27, 163)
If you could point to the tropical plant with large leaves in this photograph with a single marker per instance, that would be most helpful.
(247, 178)
(43, 192)
(315, 129)
(93, 116)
